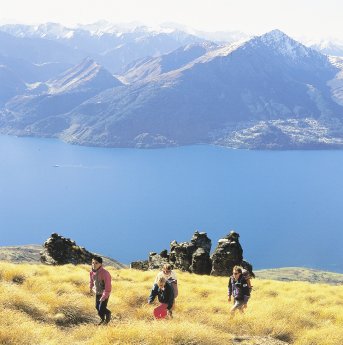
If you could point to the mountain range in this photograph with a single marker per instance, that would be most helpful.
(266, 92)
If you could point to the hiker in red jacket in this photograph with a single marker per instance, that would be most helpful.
(100, 285)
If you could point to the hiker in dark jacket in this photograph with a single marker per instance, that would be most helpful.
(165, 295)
(239, 289)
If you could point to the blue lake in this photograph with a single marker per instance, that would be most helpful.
(286, 205)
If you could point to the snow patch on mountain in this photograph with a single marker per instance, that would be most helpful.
(47, 30)
(330, 46)
(222, 51)
(216, 36)
(282, 43)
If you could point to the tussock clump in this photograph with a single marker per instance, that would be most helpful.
(285, 336)
(18, 279)
(135, 301)
(30, 310)
(70, 316)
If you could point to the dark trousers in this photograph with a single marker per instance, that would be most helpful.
(101, 307)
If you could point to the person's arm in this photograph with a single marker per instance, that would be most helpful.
(249, 285)
(153, 294)
(108, 286)
(229, 290)
(245, 287)
(91, 282)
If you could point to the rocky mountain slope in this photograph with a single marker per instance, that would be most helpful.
(111, 45)
(269, 92)
(31, 254)
(34, 111)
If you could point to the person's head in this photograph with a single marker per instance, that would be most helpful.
(96, 262)
(166, 268)
(237, 271)
(161, 282)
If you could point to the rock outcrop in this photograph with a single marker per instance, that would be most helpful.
(156, 261)
(142, 265)
(228, 253)
(60, 251)
(194, 256)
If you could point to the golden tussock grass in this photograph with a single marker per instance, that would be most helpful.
(43, 305)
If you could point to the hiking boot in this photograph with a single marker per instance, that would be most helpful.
(108, 317)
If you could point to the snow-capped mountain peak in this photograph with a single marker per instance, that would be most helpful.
(282, 44)
(274, 35)
(46, 30)
(54, 30)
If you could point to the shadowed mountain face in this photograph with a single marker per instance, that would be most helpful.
(150, 68)
(11, 84)
(38, 50)
(33, 114)
(33, 73)
(268, 92)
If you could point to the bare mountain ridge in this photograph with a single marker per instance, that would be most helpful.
(31, 254)
(31, 113)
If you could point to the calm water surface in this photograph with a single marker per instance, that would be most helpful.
(286, 205)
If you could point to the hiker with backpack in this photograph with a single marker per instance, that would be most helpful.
(100, 285)
(247, 275)
(170, 276)
(238, 288)
(165, 294)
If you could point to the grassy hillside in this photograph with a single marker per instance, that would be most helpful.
(44, 305)
(300, 274)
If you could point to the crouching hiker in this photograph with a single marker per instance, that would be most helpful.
(100, 285)
(170, 277)
(239, 289)
(165, 294)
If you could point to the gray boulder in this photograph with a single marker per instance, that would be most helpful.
(156, 261)
(142, 265)
(183, 253)
(58, 250)
(201, 262)
(228, 253)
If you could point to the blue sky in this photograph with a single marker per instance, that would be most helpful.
(298, 18)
